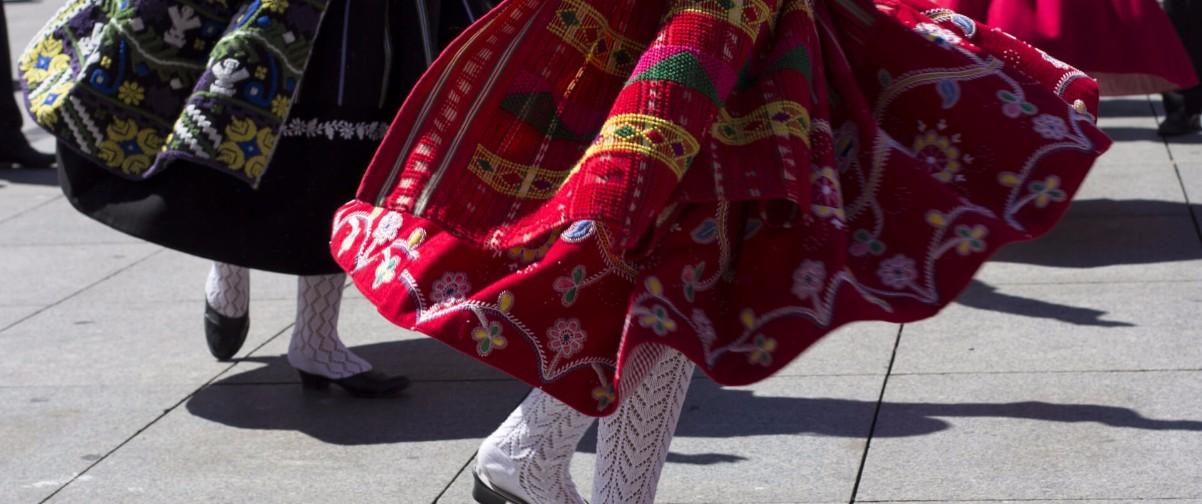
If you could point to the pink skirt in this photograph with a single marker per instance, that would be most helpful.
(1129, 46)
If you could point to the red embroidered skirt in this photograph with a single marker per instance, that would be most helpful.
(575, 178)
(1129, 46)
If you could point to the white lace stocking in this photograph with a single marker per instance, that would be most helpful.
(632, 444)
(530, 454)
(316, 347)
(228, 289)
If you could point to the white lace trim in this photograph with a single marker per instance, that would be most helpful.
(335, 130)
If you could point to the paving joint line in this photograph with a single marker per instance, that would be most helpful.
(876, 415)
(156, 419)
(1168, 147)
(85, 288)
(31, 209)
(462, 468)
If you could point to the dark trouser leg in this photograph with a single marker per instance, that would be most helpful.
(1187, 19)
(10, 114)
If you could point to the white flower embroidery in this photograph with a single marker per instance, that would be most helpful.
(388, 228)
(450, 288)
(897, 271)
(808, 279)
(1051, 127)
(566, 337)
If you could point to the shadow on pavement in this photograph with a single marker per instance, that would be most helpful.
(1096, 233)
(983, 296)
(28, 177)
(1125, 107)
(439, 410)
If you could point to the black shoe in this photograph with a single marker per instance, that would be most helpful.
(485, 494)
(369, 384)
(15, 150)
(225, 335)
(1180, 124)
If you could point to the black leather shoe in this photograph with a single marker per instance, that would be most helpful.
(369, 384)
(225, 335)
(15, 150)
(1179, 124)
(485, 494)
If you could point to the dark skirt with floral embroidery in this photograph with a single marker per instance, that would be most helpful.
(367, 55)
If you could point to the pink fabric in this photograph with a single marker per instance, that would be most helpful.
(1129, 46)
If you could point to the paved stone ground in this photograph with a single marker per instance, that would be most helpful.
(1069, 372)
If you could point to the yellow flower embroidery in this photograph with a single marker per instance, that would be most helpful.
(275, 5)
(279, 106)
(261, 73)
(45, 105)
(46, 58)
(129, 148)
(246, 147)
(130, 93)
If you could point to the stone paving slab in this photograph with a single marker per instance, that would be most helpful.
(172, 276)
(80, 343)
(48, 274)
(58, 223)
(1122, 437)
(787, 439)
(1061, 327)
(51, 433)
(1098, 250)
(273, 443)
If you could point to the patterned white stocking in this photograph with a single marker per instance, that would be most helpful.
(316, 347)
(632, 444)
(228, 289)
(530, 454)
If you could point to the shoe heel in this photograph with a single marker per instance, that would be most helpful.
(484, 494)
(313, 382)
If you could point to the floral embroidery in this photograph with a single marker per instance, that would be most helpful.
(1047, 191)
(808, 279)
(972, 239)
(827, 195)
(331, 130)
(529, 255)
(128, 148)
(939, 35)
(275, 5)
(690, 277)
(897, 271)
(130, 93)
(1015, 106)
(386, 270)
(938, 152)
(569, 287)
(489, 338)
(46, 58)
(388, 228)
(762, 355)
(1051, 127)
(450, 288)
(246, 147)
(863, 243)
(566, 337)
(280, 106)
(45, 106)
(658, 320)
